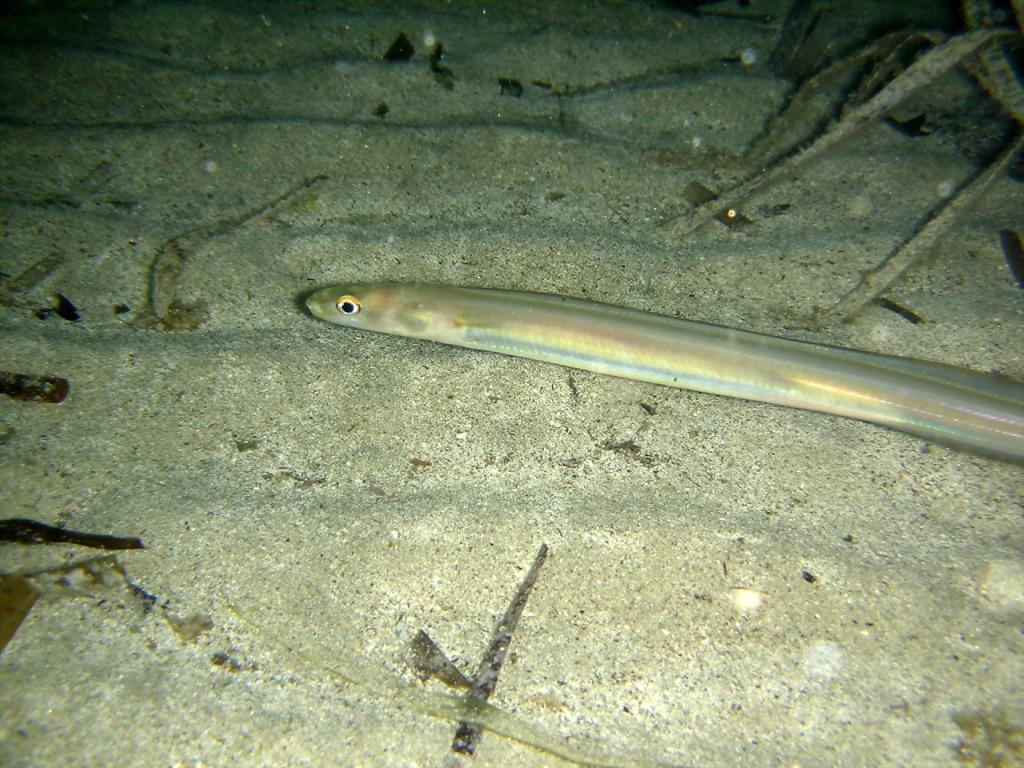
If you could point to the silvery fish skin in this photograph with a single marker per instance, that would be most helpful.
(978, 412)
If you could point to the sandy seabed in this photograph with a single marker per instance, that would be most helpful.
(727, 583)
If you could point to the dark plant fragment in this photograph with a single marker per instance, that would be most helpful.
(442, 74)
(429, 661)
(467, 735)
(913, 127)
(400, 50)
(17, 596)
(66, 309)
(906, 314)
(41, 389)
(697, 194)
(510, 87)
(24, 531)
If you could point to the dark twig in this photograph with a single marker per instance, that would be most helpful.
(25, 531)
(467, 735)
(430, 661)
(878, 279)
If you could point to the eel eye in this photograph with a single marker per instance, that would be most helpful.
(348, 305)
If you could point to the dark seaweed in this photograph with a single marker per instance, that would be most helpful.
(17, 596)
(66, 309)
(467, 735)
(24, 531)
(913, 127)
(510, 87)
(429, 661)
(41, 389)
(400, 50)
(906, 314)
(442, 74)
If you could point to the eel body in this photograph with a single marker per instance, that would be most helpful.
(978, 412)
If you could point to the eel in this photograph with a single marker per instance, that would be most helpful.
(981, 413)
